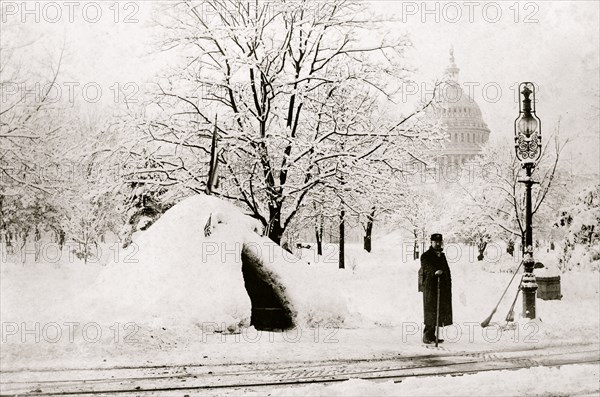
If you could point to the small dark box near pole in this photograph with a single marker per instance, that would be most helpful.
(548, 288)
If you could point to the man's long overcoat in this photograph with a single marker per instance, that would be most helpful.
(430, 263)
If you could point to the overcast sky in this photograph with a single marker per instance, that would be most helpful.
(496, 45)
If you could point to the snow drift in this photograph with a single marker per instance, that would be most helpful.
(183, 276)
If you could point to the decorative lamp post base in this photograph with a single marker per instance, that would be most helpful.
(529, 288)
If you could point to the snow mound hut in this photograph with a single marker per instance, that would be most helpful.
(233, 276)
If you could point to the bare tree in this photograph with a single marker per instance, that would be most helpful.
(497, 197)
(289, 81)
(32, 120)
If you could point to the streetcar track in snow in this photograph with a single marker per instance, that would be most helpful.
(307, 363)
(399, 378)
(300, 367)
(181, 371)
(536, 357)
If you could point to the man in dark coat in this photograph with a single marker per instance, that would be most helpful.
(434, 266)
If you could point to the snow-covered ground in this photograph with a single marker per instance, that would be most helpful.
(178, 297)
(573, 380)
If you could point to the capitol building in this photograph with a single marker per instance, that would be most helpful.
(462, 119)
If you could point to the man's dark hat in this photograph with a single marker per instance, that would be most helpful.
(436, 237)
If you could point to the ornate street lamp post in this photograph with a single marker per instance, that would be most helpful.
(528, 147)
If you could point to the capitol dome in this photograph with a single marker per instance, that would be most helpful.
(461, 117)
